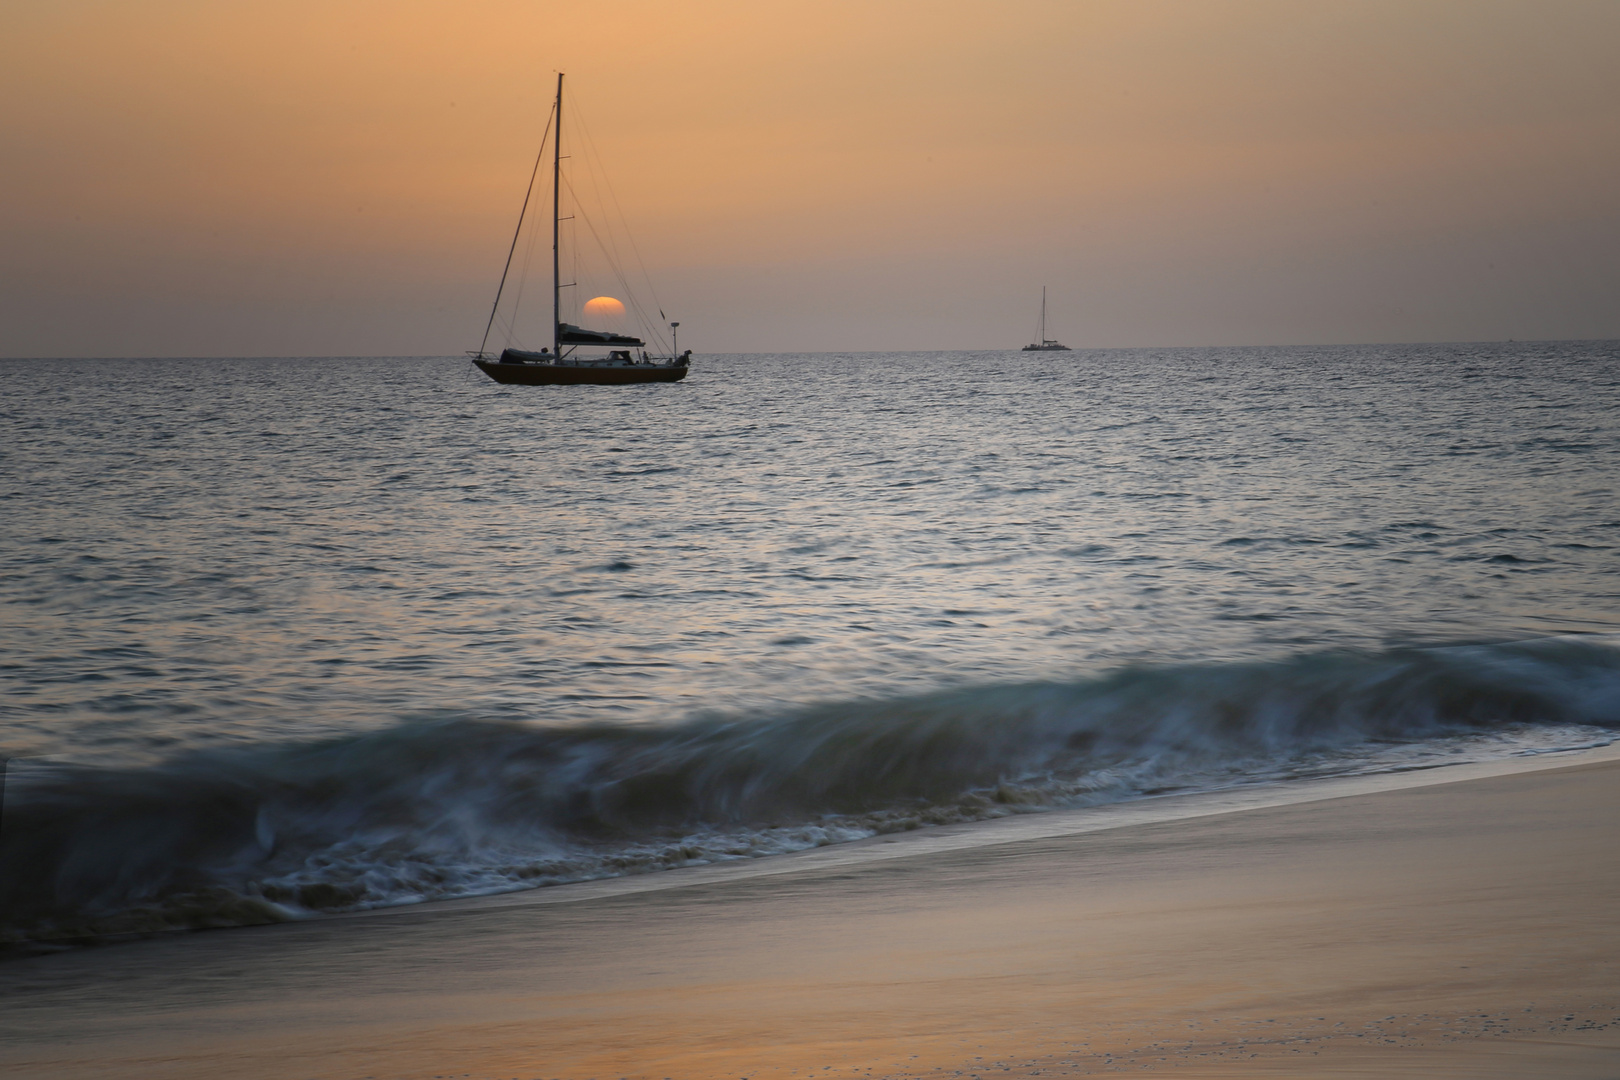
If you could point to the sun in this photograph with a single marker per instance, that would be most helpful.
(604, 307)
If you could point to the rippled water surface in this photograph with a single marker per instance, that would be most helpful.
(206, 550)
(200, 556)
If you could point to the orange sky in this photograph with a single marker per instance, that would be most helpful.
(220, 178)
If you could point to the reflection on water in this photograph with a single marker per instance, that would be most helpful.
(207, 550)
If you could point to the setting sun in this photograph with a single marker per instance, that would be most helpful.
(604, 307)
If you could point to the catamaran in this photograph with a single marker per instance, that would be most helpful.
(1043, 343)
(626, 359)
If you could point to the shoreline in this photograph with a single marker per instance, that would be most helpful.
(1016, 828)
(1459, 921)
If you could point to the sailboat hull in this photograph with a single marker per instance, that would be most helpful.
(583, 375)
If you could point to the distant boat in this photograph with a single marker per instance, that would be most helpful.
(627, 359)
(1042, 343)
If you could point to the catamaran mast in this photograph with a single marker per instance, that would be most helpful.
(556, 209)
(1042, 339)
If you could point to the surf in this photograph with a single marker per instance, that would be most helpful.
(458, 807)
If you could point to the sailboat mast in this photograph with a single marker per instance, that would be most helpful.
(556, 210)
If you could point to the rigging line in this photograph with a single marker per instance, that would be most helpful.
(522, 283)
(510, 333)
(630, 237)
(608, 244)
(613, 265)
(534, 173)
(575, 309)
(596, 173)
(609, 253)
(620, 220)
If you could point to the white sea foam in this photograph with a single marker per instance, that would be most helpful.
(456, 808)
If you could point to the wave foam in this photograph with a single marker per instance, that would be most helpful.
(454, 808)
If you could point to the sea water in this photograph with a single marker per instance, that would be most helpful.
(284, 636)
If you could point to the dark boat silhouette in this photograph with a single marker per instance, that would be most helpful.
(627, 359)
(1042, 343)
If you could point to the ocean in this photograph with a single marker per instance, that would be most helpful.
(285, 637)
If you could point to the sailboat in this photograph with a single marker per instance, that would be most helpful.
(626, 359)
(1042, 343)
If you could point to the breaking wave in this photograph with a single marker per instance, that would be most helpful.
(453, 808)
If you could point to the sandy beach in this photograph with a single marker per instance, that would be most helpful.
(1448, 925)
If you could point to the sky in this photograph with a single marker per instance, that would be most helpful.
(243, 178)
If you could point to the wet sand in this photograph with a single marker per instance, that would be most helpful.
(1463, 927)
